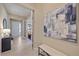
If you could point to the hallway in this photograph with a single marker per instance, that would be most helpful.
(48, 24)
(20, 47)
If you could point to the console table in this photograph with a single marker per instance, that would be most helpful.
(5, 44)
(45, 50)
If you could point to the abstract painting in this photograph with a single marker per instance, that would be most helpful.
(61, 23)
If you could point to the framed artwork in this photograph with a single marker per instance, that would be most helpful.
(61, 23)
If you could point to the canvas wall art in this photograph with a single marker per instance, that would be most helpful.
(61, 23)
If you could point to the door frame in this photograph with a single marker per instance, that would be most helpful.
(33, 20)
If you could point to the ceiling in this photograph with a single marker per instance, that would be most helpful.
(15, 9)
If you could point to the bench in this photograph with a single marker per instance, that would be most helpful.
(45, 50)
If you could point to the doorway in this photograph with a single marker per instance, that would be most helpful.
(16, 28)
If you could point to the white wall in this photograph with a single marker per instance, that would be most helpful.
(3, 14)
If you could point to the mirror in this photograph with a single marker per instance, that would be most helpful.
(4, 23)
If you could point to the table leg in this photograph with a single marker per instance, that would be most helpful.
(38, 51)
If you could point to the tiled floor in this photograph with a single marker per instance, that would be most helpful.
(21, 47)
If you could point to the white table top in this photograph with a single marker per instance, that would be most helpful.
(51, 51)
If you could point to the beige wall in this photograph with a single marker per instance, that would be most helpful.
(63, 46)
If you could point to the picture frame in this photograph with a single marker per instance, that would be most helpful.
(61, 23)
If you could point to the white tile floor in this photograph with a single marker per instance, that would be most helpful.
(21, 47)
